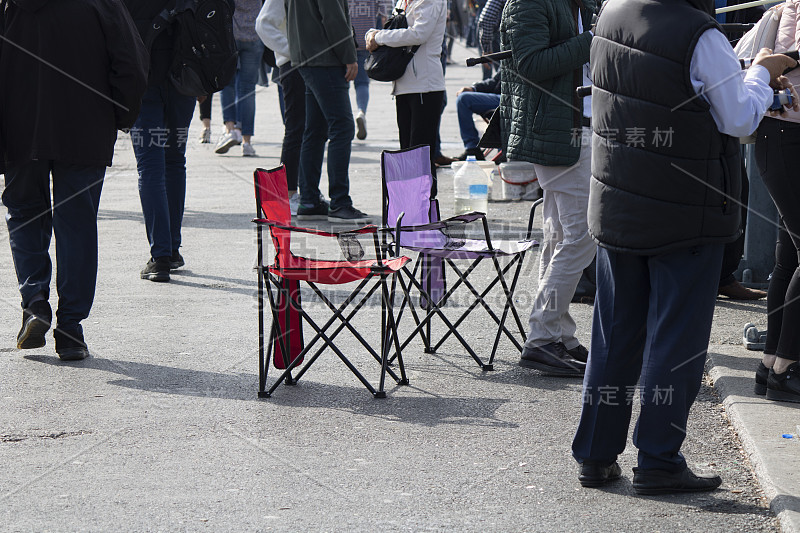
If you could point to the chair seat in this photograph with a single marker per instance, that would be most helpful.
(333, 272)
(474, 248)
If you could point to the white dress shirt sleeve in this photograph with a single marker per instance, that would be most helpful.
(739, 99)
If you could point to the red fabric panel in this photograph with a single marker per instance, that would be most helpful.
(332, 272)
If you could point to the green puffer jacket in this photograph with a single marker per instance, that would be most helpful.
(539, 110)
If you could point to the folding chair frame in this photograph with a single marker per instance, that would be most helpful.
(277, 282)
(434, 308)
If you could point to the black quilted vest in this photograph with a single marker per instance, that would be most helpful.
(662, 174)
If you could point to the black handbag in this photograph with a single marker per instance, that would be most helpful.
(388, 63)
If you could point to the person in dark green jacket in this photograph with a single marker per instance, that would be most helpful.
(544, 123)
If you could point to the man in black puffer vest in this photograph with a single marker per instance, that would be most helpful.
(668, 104)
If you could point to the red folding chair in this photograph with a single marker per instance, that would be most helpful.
(287, 347)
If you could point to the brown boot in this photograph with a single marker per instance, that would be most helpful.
(737, 291)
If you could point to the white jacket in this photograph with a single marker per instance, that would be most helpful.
(271, 27)
(426, 24)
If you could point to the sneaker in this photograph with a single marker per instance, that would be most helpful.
(317, 212)
(248, 150)
(157, 269)
(70, 345)
(349, 214)
(477, 152)
(176, 260)
(35, 323)
(228, 141)
(205, 136)
(294, 203)
(361, 126)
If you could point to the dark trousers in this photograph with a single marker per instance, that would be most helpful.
(205, 107)
(159, 142)
(418, 117)
(73, 217)
(732, 255)
(651, 325)
(294, 98)
(328, 117)
(777, 142)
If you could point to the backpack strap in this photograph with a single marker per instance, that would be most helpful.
(165, 19)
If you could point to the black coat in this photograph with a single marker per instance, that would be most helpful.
(143, 12)
(80, 78)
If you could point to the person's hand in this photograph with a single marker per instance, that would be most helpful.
(465, 90)
(352, 71)
(372, 44)
(776, 64)
(783, 83)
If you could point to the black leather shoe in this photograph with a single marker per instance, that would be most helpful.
(552, 360)
(784, 387)
(762, 373)
(579, 353)
(595, 474)
(35, 323)
(70, 345)
(651, 481)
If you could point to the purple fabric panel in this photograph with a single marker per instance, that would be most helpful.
(407, 165)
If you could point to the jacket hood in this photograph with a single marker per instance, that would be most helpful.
(30, 5)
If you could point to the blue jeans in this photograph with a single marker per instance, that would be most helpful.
(159, 142)
(361, 82)
(76, 198)
(470, 103)
(238, 98)
(651, 325)
(328, 117)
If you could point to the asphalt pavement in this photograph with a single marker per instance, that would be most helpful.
(162, 430)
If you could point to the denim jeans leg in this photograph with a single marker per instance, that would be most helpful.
(76, 199)
(227, 99)
(361, 82)
(329, 90)
(313, 147)
(30, 226)
(180, 109)
(250, 54)
(467, 104)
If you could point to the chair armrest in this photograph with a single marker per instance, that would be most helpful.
(460, 219)
(530, 218)
(363, 230)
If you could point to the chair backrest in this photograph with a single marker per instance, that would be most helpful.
(272, 203)
(407, 181)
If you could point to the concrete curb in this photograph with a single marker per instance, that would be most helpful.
(761, 425)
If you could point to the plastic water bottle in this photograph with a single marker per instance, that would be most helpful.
(471, 188)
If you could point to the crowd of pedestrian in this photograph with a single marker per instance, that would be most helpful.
(660, 216)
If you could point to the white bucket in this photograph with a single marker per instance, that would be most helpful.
(519, 180)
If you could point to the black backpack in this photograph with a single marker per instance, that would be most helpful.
(204, 59)
(387, 63)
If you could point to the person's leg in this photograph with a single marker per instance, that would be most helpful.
(250, 55)
(76, 199)
(615, 361)
(227, 99)
(361, 82)
(550, 320)
(403, 103)
(785, 267)
(330, 89)
(682, 298)
(149, 137)
(312, 150)
(30, 226)
(294, 97)
(426, 114)
(205, 118)
(473, 103)
(178, 116)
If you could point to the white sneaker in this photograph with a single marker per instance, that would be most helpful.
(227, 141)
(294, 203)
(361, 126)
(205, 136)
(248, 150)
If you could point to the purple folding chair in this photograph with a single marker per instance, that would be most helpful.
(411, 220)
